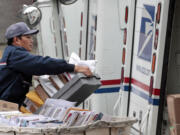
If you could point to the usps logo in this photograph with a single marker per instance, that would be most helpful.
(146, 33)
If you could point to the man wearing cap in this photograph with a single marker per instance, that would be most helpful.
(17, 65)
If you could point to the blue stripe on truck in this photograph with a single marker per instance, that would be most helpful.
(107, 90)
(145, 96)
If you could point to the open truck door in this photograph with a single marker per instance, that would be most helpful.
(126, 12)
(148, 73)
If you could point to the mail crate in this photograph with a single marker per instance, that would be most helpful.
(79, 88)
(13, 130)
(118, 126)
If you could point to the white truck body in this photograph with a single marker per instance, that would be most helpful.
(136, 45)
(78, 30)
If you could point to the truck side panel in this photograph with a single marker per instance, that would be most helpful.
(147, 63)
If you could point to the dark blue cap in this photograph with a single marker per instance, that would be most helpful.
(18, 29)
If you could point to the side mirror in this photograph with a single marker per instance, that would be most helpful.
(31, 15)
(67, 2)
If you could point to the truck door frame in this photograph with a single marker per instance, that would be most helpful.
(162, 101)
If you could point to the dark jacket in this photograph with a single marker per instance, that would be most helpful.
(17, 67)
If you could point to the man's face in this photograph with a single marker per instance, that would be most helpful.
(26, 41)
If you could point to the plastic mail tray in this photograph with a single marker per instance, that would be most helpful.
(79, 88)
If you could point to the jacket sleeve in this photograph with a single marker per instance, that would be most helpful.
(23, 61)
